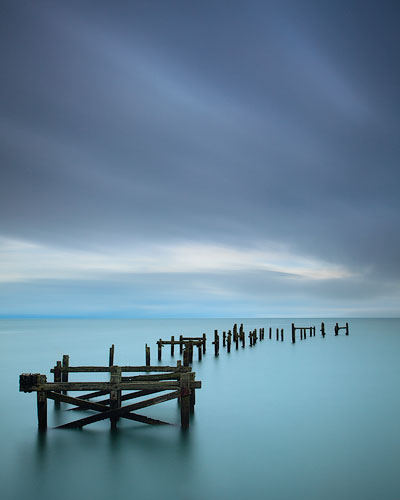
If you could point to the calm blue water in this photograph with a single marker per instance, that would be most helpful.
(316, 420)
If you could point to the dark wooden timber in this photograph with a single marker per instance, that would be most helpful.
(282, 334)
(185, 400)
(65, 365)
(323, 329)
(180, 344)
(42, 406)
(270, 333)
(147, 355)
(111, 356)
(172, 345)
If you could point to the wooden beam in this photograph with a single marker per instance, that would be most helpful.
(119, 412)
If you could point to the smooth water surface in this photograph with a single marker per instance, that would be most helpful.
(316, 420)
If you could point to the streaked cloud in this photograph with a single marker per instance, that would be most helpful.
(26, 261)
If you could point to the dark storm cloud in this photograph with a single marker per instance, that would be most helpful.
(239, 123)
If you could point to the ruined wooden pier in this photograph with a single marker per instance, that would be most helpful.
(177, 381)
(303, 332)
(187, 343)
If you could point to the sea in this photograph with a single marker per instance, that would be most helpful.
(314, 420)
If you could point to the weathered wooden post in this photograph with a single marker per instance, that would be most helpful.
(237, 340)
(255, 338)
(304, 333)
(115, 393)
(347, 328)
(314, 330)
(281, 334)
(301, 333)
(64, 374)
(204, 343)
(65, 364)
(185, 399)
(190, 352)
(223, 339)
(180, 344)
(277, 334)
(42, 405)
(270, 333)
(216, 343)
(159, 345)
(228, 341)
(199, 351)
(186, 357)
(251, 338)
(323, 329)
(243, 337)
(293, 334)
(111, 356)
(147, 355)
(336, 329)
(192, 392)
(172, 345)
(57, 376)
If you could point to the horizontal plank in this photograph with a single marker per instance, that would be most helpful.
(94, 369)
(161, 376)
(93, 386)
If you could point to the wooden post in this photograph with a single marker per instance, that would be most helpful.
(223, 339)
(200, 351)
(172, 345)
(42, 405)
(57, 374)
(281, 334)
(186, 356)
(185, 399)
(301, 333)
(192, 393)
(314, 330)
(111, 356)
(228, 341)
(237, 341)
(181, 344)
(243, 337)
(115, 393)
(65, 364)
(323, 329)
(277, 334)
(304, 333)
(336, 329)
(251, 338)
(190, 352)
(147, 355)
(347, 328)
(159, 343)
(204, 343)
(64, 375)
(293, 334)
(270, 333)
(216, 343)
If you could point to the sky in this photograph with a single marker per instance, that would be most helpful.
(199, 159)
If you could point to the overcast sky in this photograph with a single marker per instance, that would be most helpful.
(199, 158)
